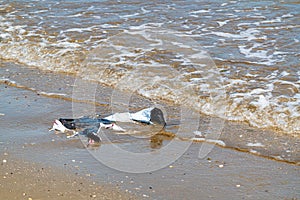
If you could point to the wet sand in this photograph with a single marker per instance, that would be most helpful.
(38, 161)
(21, 179)
(97, 99)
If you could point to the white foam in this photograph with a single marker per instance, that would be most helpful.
(287, 15)
(67, 45)
(258, 144)
(213, 141)
(80, 30)
(76, 15)
(227, 35)
(258, 91)
(52, 94)
(251, 75)
(3, 80)
(218, 142)
(128, 16)
(200, 11)
(106, 26)
(5, 35)
(263, 55)
(271, 21)
(145, 11)
(39, 11)
(254, 152)
(222, 23)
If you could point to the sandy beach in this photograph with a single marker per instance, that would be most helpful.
(21, 179)
(225, 75)
(37, 164)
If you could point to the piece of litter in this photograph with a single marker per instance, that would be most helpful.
(221, 166)
(171, 166)
(238, 186)
(4, 161)
(2, 114)
(73, 160)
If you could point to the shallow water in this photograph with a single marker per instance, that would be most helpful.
(237, 60)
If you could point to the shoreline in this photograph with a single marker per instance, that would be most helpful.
(265, 142)
(224, 173)
(71, 78)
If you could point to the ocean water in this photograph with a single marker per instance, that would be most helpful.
(237, 60)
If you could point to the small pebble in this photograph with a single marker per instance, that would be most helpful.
(6, 154)
(4, 161)
(73, 160)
